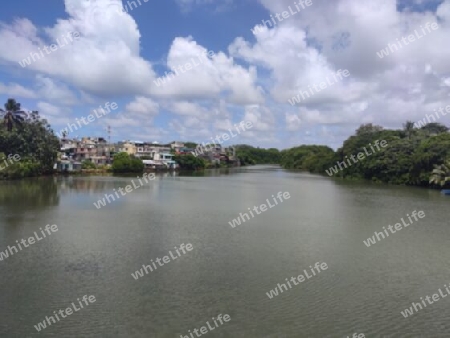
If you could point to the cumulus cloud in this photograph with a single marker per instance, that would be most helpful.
(137, 113)
(346, 34)
(104, 60)
(208, 75)
(252, 79)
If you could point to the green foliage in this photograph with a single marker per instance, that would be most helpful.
(308, 157)
(33, 140)
(124, 163)
(441, 174)
(18, 169)
(410, 156)
(434, 128)
(12, 105)
(190, 162)
(251, 155)
(88, 164)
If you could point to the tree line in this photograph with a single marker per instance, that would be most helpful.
(414, 156)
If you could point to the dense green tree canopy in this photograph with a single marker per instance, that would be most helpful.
(251, 155)
(190, 162)
(308, 157)
(409, 157)
(125, 163)
(32, 139)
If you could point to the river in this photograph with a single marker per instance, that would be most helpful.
(229, 270)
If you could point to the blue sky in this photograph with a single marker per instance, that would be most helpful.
(249, 76)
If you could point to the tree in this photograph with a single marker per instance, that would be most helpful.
(124, 163)
(441, 174)
(434, 128)
(12, 105)
(408, 128)
(11, 119)
(368, 128)
(313, 158)
(88, 164)
(251, 155)
(12, 116)
(190, 162)
(34, 142)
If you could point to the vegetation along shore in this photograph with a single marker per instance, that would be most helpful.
(417, 156)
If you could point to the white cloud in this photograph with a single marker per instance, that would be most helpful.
(137, 113)
(86, 62)
(211, 75)
(301, 51)
(55, 91)
(251, 80)
(16, 90)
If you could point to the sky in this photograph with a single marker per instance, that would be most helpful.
(243, 66)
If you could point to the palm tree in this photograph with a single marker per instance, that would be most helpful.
(12, 115)
(12, 105)
(441, 174)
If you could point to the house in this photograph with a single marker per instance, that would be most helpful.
(176, 146)
(166, 160)
(127, 147)
(96, 150)
(68, 166)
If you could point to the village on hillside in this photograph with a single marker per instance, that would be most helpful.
(154, 155)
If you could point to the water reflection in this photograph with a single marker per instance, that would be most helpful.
(33, 193)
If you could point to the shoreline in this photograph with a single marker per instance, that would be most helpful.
(106, 172)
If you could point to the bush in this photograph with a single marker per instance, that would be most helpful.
(87, 164)
(24, 168)
(124, 163)
(190, 162)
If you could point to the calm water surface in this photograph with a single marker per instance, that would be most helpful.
(230, 269)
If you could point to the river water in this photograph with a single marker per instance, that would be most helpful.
(229, 270)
